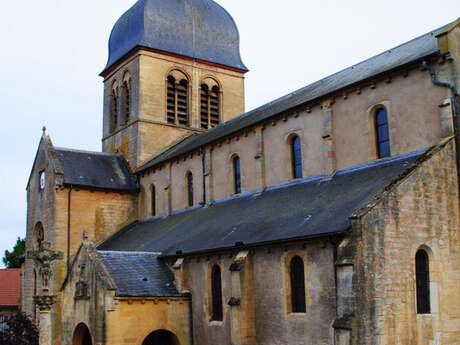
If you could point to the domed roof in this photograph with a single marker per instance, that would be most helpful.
(199, 29)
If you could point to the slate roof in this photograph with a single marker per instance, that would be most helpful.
(309, 208)
(139, 274)
(95, 170)
(10, 288)
(199, 29)
(398, 57)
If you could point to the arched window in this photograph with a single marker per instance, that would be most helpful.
(422, 271)
(177, 99)
(382, 133)
(126, 107)
(216, 291)
(297, 275)
(296, 157)
(190, 197)
(153, 201)
(236, 174)
(210, 104)
(114, 109)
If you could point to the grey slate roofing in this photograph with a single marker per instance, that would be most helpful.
(199, 29)
(139, 274)
(95, 170)
(309, 208)
(405, 54)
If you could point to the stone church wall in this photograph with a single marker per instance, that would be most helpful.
(336, 133)
(420, 212)
(263, 316)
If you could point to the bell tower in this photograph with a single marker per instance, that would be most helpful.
(174, 70)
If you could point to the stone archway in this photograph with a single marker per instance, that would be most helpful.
(161, 337)
(82, 335)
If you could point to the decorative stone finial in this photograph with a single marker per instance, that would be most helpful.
(44, 130)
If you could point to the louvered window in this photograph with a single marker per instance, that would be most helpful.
(297, 274)
(210, 106)
(382, 133)
(190, 197)
(177, 101)
(126, 101)
(114, 110)
(216, 291)
(422, 270)
(296, 157)
(237, 174)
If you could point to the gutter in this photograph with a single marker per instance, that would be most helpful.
(455, 112)
(240, 245)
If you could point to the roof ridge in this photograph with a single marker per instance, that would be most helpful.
(86, 151)
(121, 252)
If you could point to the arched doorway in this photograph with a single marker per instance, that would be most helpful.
(82, 335)
(161, 337)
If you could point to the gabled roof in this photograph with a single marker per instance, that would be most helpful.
(393, 59)
(139, 274)
(10, 288)
(315, 207)
(95, 170)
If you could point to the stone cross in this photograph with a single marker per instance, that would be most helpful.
(43, 258)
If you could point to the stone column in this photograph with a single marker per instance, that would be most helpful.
(328, 138)
(45, 305)
(242, 319)
(45, 301)
(209, 197)
(260, 158)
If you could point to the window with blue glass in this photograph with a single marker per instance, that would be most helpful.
(237, 174)
(190, 196)
(382, 133)
(296, 157)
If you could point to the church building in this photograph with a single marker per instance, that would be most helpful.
(329, 216)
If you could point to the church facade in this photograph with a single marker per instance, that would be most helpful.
(329, 216)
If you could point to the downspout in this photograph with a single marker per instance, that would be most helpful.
(203, 166)
(455, 114)
(69, 217)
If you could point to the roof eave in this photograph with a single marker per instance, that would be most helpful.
(259, 244)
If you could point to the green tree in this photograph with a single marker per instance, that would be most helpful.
(19, 330)
(15, 258)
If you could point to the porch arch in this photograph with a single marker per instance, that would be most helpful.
(161, 337)
(82, 335)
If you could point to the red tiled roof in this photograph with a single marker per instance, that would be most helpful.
(10, 288)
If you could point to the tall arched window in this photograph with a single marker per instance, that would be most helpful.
(297, 275)
(153, 201)
(422, 271)
(296, 157)
(114, 109)
(216, 292)
(190, 197)
(210, 104)
(382, 133)
(126, 94)
(177, 99)
(236, 174)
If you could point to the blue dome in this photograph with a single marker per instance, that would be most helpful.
(199, 29)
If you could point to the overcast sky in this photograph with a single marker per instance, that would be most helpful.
(53, 50)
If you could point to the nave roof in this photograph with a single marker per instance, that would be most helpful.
(315, 207)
